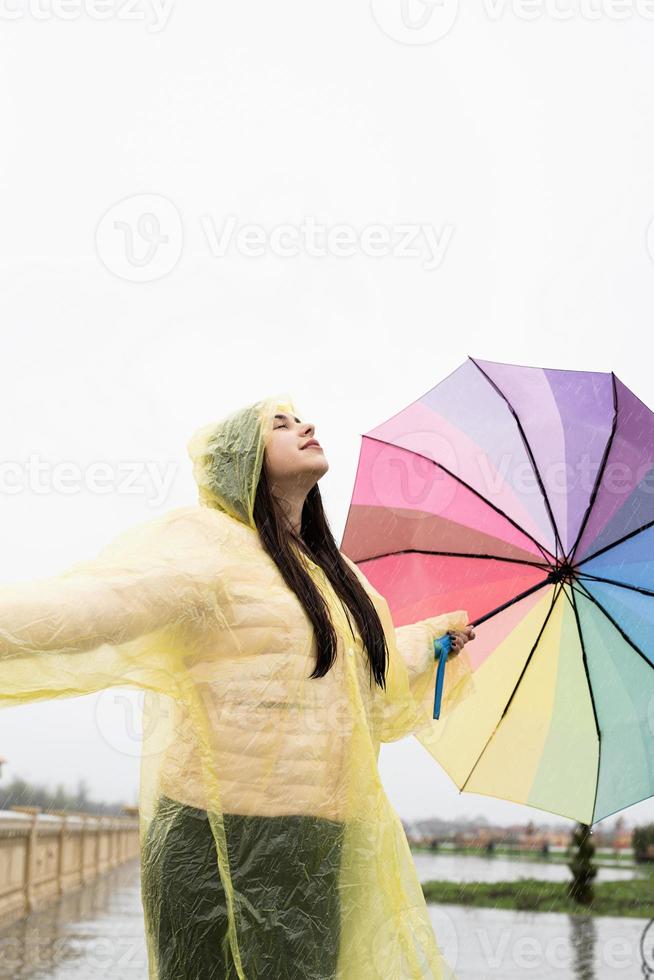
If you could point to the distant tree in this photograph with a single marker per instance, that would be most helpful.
(642, 839)
(60, 798)
(82, 794)
(21, 793)
(581, 851)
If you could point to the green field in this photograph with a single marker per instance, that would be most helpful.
(626, 898)
(621, 898)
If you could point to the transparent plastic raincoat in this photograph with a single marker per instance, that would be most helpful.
(269, 847)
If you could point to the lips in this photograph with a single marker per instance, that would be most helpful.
(312, 442)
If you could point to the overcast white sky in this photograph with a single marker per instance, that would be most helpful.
(487, 177)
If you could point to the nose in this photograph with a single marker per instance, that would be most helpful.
(310, 430)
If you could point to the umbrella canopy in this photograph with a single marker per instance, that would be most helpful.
(526, 495)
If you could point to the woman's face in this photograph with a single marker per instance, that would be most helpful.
(291, 452)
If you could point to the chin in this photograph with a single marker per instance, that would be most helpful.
(319, 467)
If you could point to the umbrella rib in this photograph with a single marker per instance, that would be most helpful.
(607, 547)
(523, 436)
(584, 660)
(452, 554)
(622, 633)
(543, 550)
(510, 602)
(600, 473)
(610, 581)
(555, 595)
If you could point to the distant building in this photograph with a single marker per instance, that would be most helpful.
(527, 837)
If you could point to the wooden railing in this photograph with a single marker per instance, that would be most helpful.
(43, 855)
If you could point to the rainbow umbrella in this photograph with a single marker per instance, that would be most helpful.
(526, 496)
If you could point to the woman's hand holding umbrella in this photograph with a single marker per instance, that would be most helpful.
(447, 647)
(458, 639)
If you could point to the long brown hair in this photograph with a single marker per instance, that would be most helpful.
(318, 542)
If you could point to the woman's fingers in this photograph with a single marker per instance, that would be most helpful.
(459, 638)
(456, 642)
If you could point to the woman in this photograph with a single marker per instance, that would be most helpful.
(272, 672)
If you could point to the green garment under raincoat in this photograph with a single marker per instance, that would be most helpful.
(273, 770)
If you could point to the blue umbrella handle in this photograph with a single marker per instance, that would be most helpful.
(442, 647)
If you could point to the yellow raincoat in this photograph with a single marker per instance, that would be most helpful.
(190, 608)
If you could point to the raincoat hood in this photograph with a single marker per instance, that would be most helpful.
(227, 456)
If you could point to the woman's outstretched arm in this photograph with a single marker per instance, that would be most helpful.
(88, 627)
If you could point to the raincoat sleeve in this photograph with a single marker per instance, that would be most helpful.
(119, 618)
(415, 643)
(407, 704)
